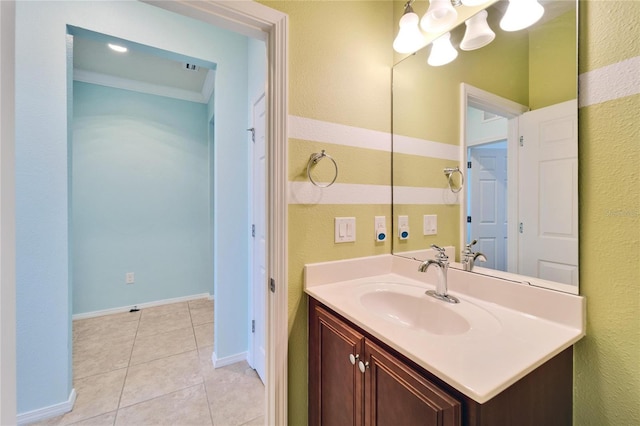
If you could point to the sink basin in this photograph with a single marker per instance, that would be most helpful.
(408, 306)
(424, 313)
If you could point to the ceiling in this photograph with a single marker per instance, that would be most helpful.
(144, 70)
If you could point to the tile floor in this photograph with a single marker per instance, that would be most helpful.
(153, 367)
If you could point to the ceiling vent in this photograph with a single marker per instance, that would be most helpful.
(190, 67)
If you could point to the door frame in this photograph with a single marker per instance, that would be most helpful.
(7, 216)
(250, 19)
(481, 99)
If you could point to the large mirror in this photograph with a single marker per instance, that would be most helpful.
(505, 116)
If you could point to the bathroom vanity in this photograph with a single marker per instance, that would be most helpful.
(381, 352)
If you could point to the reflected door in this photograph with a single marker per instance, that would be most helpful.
(488, 204)
(548, 174)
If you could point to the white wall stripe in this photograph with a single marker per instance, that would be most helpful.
(323, 131)
(339, 193)
(346, 193)
(425, 148)
(340, 134)
(614, 81)
(417, 195)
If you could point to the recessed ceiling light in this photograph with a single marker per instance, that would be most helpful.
(117, 48)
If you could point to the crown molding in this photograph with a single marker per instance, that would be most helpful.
(140, 86)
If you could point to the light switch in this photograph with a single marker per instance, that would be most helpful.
(430, 224)
(345, 229)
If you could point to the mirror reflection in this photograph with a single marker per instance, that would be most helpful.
(506, 116)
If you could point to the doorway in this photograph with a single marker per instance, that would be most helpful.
(251, 19)
(496, 120)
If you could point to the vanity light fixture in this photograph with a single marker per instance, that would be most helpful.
(409, 38)
(117, 48)
(471, 3)
(439, 17)
(478, 33)
(521, 14)
(442, 51)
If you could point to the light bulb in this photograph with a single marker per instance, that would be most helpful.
(117, 48)
(409, 38)
(439, 17)
(478, 34)
(442, 51)
(521, 14)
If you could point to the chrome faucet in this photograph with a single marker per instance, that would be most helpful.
(469, 257)
(442, 263)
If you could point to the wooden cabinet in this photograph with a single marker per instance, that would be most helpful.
(338, 395)
(396, 394)
(356, 380)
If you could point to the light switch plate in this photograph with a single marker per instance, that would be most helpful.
(430, 224)
(345, 229)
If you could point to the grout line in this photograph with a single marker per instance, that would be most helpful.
(249, 421)
(164, 395)
(204, 382)
(124, 382)
(206, 393)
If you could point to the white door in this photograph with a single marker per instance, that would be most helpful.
(548, 208)
(259, 269)
(488, 204)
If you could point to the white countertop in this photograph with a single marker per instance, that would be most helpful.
(514, 328)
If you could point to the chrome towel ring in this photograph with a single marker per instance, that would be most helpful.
(449, 172)
(313, 160)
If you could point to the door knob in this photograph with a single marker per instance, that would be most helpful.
(363, 366)
(353, 358)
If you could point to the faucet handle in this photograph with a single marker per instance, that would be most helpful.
(472, 243)
(441, 253)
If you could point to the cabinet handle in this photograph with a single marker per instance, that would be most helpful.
(363, 366)
(353, 358)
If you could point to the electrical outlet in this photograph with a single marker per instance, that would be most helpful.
(130, 278)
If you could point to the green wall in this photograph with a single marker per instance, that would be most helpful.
(552, 62)
(607, 360)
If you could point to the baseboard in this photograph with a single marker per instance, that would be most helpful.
(228, 360)
(141, 306)
(48, 412)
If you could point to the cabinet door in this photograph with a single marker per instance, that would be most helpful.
(395, 394)
(336, 385)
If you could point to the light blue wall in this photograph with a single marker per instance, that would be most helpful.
(257, 69)
(480, 131)
(140, 198)
(42, 269)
